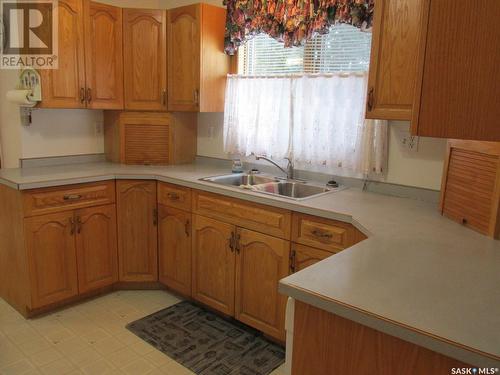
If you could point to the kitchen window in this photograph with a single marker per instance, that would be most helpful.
(306, 103)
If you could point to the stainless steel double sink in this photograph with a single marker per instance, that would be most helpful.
(297, 190)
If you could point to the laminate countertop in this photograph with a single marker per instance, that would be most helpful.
(418, 276)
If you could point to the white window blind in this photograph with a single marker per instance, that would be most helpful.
(345, 48)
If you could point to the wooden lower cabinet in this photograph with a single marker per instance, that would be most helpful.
(213, 263)
(261, 262)
(304, 256)
(137, 230)
(96, 247)
(325, 344)
(174, 249)
(51, 254)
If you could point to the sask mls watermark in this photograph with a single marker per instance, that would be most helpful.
(29, 32)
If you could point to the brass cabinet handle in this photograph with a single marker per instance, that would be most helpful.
(72, 228)
(292, 259)
(186, 227)
(321, 234)
(89, 95)
(72, 197)
(196, 96)
(82, 95)
(155, 217)
(231, 242)
(173, 196)
(237, 243)
(370, 99)
(164, 97)
(78, 225)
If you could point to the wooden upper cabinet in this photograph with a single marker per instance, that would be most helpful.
(393, 71)
(65, 87)
(96, 247)
(51, 253)
(261, 262)
(174, 249)
(458, 95)
(197, 65)
(137, 230)
(103, 56)
(144, 45)
(213, 264)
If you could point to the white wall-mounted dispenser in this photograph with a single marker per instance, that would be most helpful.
(27, 93)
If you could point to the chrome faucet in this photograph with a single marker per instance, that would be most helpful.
(289, 168)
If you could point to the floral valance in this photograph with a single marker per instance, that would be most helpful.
(291, 21)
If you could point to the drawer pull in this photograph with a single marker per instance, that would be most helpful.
(173, 196)
(72, 197)
(321, 234)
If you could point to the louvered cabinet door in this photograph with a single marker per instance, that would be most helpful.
(146, 144)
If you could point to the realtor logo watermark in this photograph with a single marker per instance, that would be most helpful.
(29, 33)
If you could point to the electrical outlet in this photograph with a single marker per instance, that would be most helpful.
(98, 128)
(407, 141)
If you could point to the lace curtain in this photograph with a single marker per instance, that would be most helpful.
(316, 120)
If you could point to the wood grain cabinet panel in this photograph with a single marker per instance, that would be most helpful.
(175, 196)
(96, 246)
(103, 56)
(174, 249)
(393, 68)
(304, 256)
(261, 262)
(61, 198)
(197, 65)
(457, 96)
(213, 264)
(137, 230)
(144, 45)
(51, 250)
(65, 87)
(261, 218)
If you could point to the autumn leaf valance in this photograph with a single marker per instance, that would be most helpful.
(291, 21)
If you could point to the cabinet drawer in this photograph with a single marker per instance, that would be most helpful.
(322, 233)
(261, 218)
(174, 196)
(43, 201)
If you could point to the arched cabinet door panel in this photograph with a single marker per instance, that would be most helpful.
(137, 230)
(145, 65)
(50, 244)
(96, 247)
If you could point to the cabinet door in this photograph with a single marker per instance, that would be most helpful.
(393, 68)
(174, 248)
(103, 56)
(213, 264)
(137, 230)
(50, 245)
(96, 247)
(304, 256)
(65, 87)
(458, 95)
(144, 46)
(261, 262)
(184, 58)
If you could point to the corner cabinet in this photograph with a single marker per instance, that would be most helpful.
(90, 73)
(393, 72)
(144, 44)
(197, 64)
(137, 230)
